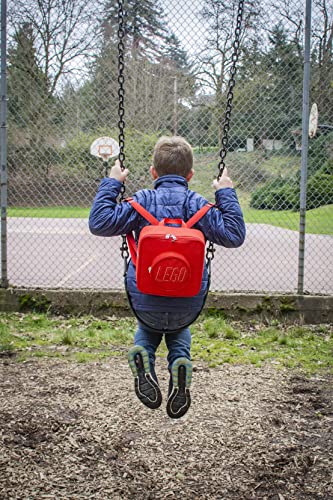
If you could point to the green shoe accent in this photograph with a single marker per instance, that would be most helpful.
(179, 400)
(146, 387)
(174, 370)
(131, 359)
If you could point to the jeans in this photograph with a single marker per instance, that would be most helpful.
(178, 343)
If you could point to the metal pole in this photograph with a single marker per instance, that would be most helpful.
(3, 144)
(175, 110)
(305, 146)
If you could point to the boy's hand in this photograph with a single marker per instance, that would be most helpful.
(223, 182)
(117, 173)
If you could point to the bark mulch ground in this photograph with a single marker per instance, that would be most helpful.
(77, 431)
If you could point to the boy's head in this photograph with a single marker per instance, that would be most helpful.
(173, 155)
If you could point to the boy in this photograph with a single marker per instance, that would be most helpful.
(223, 224)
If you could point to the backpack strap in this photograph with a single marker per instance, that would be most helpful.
(199, 214)
(142, 211)
(130, 238)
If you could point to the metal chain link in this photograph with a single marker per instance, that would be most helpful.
(231, 84)
(124, 253)
(169, 90)
(121, 90)
(210, 251)
(121, 112)
(227, 115)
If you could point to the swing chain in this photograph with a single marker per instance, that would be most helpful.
(124, 253)
(121, 90)
(121, 112)
(227, 115)
(231, 84)
(210, 254)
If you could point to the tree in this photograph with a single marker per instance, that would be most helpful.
(322, 49)
(178, 80)
(144, 26)
(26, 80)
(268, 94)
(104, 86)
(64, 35)
(173, 52)
(156, 71)
(322, 68)
(144, 31)
(214, 62)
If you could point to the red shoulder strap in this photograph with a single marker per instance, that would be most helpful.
(130, 238)
(142, 211)
(199, 214)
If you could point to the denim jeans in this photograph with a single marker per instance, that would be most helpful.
(178, 343)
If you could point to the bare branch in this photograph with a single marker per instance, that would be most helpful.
(63, 31)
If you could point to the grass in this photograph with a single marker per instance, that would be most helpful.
(49, 212)
(298, 347)
(214, 340)
(318, 220)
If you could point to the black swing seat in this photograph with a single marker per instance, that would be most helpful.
(147, 319)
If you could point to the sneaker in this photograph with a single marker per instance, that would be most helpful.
(179, 398)
(146, 387)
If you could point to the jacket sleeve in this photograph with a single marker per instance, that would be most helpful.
(224, 224)
(107, 217)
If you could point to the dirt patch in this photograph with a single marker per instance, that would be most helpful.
(77, 431)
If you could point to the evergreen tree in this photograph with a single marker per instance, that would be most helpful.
(27, 84)
(283, 99)
(173, 52)
(214, 62)
(144, 26)
(157, 74)
(270, 88)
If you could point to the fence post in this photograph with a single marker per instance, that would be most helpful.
(3, 144)
(305, 146)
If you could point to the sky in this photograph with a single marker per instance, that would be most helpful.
(183, 17)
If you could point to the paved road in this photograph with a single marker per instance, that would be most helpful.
(61, 253)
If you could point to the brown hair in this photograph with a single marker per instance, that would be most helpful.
(173, 155)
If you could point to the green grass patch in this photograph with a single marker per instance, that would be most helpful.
(307, 348)
(318, 220)
(32, 331)
(49, 212)
(214, 340)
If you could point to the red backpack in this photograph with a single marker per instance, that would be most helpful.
(169, 260)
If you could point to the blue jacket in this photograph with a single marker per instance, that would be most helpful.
(170, 198)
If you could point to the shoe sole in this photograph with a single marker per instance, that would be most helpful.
(180, 399)
(146, 388)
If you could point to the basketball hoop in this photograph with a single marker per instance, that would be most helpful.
(313, 121)
(105, 148)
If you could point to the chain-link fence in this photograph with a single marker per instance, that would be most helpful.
(62, 77)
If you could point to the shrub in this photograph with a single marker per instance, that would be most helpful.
(284, 194)
(320, 151)
(278, 194)
(138, 149)
(320, 187)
